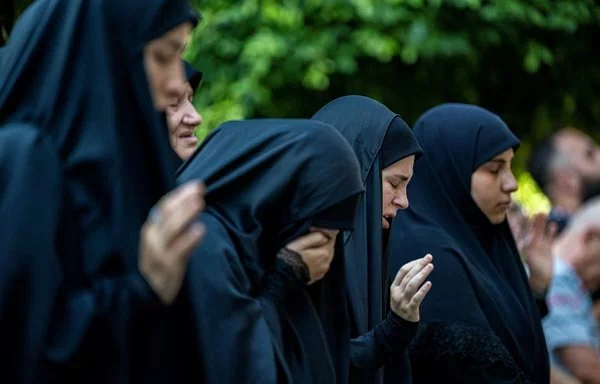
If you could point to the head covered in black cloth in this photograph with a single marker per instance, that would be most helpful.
(379, 138)
(73, 72)
(479, 279)
(193, 76)
(267, 182)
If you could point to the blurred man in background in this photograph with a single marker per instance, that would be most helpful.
(566, 166)
(571, 328)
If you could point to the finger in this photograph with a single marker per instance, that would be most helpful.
(406, 268)
(180, 219)
(539, 225)
(403, 271)
(415, 269)
(310, 240)
(552, 231)
(192, 190)
(183, 247)
(418, 297)
(417, 280)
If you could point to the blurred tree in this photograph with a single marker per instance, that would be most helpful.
(530, 61)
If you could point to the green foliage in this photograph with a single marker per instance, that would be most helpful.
(530, 61)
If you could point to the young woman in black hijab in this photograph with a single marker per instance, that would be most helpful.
(85, 156)
(253, 317)
(386, 150)
(480, 324)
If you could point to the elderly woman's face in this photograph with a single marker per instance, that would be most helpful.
(182, 119)
(164, 68)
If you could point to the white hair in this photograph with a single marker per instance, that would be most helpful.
(588, 215)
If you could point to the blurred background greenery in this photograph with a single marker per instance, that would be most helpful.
(530, 61)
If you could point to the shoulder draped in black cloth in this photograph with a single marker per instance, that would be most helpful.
(479, 321)
(73, 74)
(379, 138)
(267, 182)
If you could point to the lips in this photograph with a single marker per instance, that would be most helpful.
(188, 137)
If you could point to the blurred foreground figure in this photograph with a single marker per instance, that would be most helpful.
(84, 157)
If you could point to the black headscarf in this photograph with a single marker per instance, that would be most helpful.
(193, 75)
(479, 278)
(267, 181)
(73, 71)
(379, 138)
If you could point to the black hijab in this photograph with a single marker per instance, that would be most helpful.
(267, 181)
(479, 278)
(73, 72)
(193, 76)
(379, 138)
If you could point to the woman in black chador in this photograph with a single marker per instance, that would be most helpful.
(85, 155)
(480, 324)
(256, 308)
(383, 318)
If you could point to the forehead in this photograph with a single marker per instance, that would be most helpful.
(403, 167)
(504, 156)
(573, 141)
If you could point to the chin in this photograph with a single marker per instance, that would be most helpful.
(498, 218)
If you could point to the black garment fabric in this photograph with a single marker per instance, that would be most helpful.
(379, 138)
(73, 72)
(480, 311)
(193, 75)
(267, 182)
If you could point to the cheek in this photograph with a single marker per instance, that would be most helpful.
(482, 192)
(173, 121)
(387, 194)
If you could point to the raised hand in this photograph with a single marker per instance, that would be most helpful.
(537, 252)
(168, 238)
(409, 288)
(316, 251)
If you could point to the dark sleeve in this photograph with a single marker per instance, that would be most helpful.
(455, 333)
(94, 322)
(30, 207)
(234, 338)
(371, 350)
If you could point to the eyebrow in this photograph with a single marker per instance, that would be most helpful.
(499, 161)
(401, 176)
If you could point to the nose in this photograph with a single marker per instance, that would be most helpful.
(401, 200)
(191, 116)
(510, 184)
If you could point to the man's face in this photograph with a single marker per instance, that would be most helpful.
(583, 155)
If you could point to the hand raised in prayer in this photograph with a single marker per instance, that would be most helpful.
(537, 252)
(168, 238)
(408, 291)
(316, 250)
